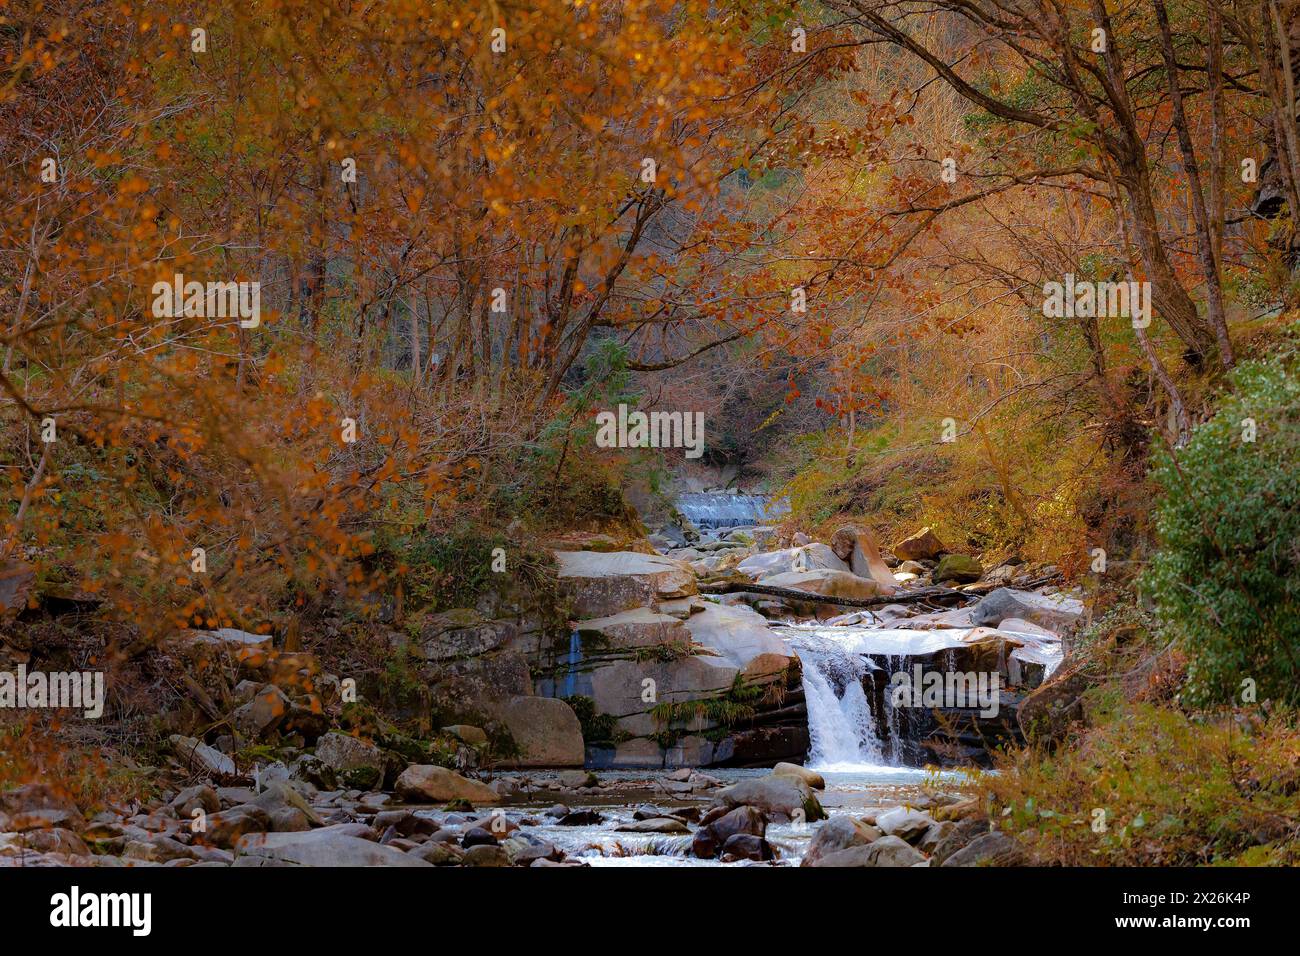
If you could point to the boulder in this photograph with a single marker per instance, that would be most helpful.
(602, 584)
(1049, 710)
(356, 762)
(992, 849)
(810, 777)
(712, 836)
(460, 633)
(468, 733)
(485, 855)
(523, 848)
(904, 823)
(931, 838)
(858, 547)
(261, 715)
(957, 567)
(438, 854)
(841, 584)
(780, 798)
(283, 800)
(224, 829)
(922, 546)
(811, 557)
(546, 730)
(230, 640)
(1053, 612)
(157, 849)
(425, 783)
(16, 581)
(198, 756)
(887, 851)
(739, 637)
(746, 846)
(639, 627)
(200, 796)
(838, 833)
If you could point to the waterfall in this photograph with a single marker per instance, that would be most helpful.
(710, 510)
(841, 726)
(573, 659)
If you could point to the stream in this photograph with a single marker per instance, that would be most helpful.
(848, 791)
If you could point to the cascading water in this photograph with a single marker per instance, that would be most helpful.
(573, 659)
(708, 511)
(841, 726)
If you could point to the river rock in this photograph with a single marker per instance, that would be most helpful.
(602, 584)
(740, 637)
(42, 804)
(200, 797)
(841, 584)
(904, 823)
(811, 557)
(477, 836)
(285, 804)
(229, 640)
(639, 627)
(810, 777)
(157, 849)
(922, 546)
(199, 756)
(935, 835)
(438, 854)
(887, 851)
(261, 715)
(580, 818)
(838, 833)
(653, 825)
(546, 730)
(523, 848)
(991, 849)
(426, 783)
(746, 846)
(1054, 612)
(55, 840)
(327, 847)
(781, 798)
(224, 829)
(714, 833)
(485, 855)
(356, 762)
(858, 547)
(960, 568)
(474, 736)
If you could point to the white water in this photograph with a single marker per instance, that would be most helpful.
(712, 511)
(840, 723)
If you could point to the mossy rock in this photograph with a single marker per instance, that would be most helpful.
(958, 567)
(361, 778)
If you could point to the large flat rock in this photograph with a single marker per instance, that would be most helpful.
(811, 557)
(601, 584)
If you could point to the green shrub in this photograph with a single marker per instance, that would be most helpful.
(1226, 578)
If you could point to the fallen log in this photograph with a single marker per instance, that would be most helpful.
(904, 597)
